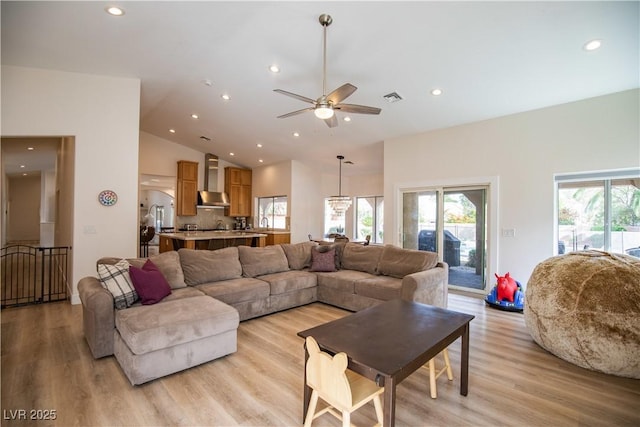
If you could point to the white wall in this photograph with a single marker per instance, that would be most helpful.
(307, 203)
(523, 151)
(159, 156)
(102, 113)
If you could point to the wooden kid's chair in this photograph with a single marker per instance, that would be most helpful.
(344, 390)
(433, 374)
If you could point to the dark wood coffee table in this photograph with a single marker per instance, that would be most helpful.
(390, 341)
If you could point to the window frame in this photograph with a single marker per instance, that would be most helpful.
(606, 178)
(272, 216)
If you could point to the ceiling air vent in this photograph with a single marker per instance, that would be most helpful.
(392, 97)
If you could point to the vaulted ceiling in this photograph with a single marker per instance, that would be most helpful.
(490, 59)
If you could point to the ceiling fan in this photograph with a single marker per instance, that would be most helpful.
(325, 106)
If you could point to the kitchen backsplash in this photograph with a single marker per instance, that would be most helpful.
(206, 219)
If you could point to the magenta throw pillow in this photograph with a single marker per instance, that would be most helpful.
(149, 283)
(323, 261)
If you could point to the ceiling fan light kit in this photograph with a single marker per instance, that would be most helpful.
(325, 106)
(323, 112)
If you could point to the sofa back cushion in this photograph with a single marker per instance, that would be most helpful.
(298, 254)
(266, 260)
(167, 262)
(361, 258)
(398, 262)
(169, 265)
(210, 266)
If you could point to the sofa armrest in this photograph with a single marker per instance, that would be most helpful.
(427, 287)
(98, 316)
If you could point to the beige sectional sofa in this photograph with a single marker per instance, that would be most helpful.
(212, 291)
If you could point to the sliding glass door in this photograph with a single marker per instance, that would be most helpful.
(451, 221)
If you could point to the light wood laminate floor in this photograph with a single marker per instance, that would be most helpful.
(46, 365)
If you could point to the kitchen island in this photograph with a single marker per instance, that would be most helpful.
(209, 239)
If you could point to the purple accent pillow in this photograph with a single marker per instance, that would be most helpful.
(149, 283)
(323, 261)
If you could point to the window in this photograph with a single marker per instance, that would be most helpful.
(272, 212)
(333, 224)
(369, 218)
(599, 211)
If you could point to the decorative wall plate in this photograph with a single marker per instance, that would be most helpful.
(108, 198)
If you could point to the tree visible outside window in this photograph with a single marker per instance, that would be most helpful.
(599, 214)
(369, 218)
(333, 224)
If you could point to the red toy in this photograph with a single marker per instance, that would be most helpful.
(506, 287)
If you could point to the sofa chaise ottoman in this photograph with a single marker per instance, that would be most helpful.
(154, 341)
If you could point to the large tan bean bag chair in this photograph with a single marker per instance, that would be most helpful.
(584, 307)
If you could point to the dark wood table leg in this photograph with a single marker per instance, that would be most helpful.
(389, 402)
(307, 389)
(464, 362)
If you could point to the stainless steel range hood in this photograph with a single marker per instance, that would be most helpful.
(212, 199)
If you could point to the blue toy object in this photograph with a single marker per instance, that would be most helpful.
(504, 304)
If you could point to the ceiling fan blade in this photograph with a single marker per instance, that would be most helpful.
(357, 109)
(342, 93)
(331, 121)
(295, 113)
(293, 95)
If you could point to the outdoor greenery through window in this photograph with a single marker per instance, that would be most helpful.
(272, 212)
(596, 211)
(451, 221)
(369, 218)
(333, 224)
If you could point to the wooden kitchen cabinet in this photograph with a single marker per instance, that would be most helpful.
(188, 170)
(277, 238)
(237, 184)
(187, 188)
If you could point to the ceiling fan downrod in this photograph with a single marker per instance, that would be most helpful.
(325, 21)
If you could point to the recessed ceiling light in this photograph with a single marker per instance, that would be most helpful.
(296, 134)
(172, 130)
(592, 45)
(22, 166)
(260, 160)
(115, 11)
(24, 174)
(30, 148)
(347, 119)
(259, 145)
(225, 97)
(207, 82)
(232, 154)
(274, 68)
(436, 92)
(194, 116)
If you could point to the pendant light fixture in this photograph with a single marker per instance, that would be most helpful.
(339, 204)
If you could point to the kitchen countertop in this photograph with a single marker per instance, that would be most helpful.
(268, 231)
(211, 235)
